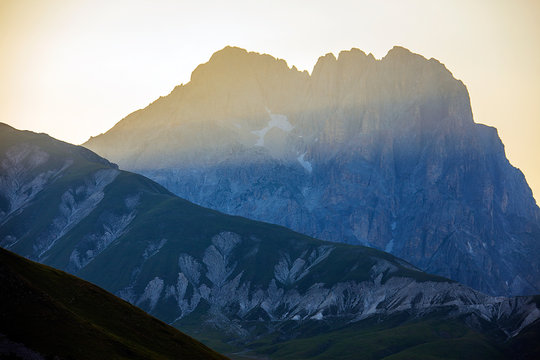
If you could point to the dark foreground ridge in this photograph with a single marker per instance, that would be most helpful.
(46, 313)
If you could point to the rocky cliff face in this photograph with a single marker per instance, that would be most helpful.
(189, 265)
(383, 153)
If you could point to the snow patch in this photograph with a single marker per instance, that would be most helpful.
(305, 164)
(276, 121)
(389, 246)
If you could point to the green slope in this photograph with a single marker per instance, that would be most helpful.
(394, 338)
(397, 337)
(57, 314)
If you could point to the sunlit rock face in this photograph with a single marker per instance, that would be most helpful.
(383, 153)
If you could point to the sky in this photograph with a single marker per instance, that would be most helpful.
(73, 68)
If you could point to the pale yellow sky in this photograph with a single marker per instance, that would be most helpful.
(74, 68)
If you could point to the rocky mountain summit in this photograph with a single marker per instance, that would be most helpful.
(232, 282)
(383, 153)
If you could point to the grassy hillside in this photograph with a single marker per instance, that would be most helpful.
(56, 314)
(394, 338)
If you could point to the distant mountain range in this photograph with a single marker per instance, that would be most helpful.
(383, 153)
(237, 284)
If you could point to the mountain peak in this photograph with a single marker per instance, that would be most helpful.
(403, 57)
(399, 51)
(325, 60)
(353, 52)
(228, 51)
(233, 63)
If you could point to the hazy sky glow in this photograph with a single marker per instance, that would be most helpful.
(73, 68)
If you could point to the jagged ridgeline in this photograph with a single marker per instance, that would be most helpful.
(236, 283)
(383, 153)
